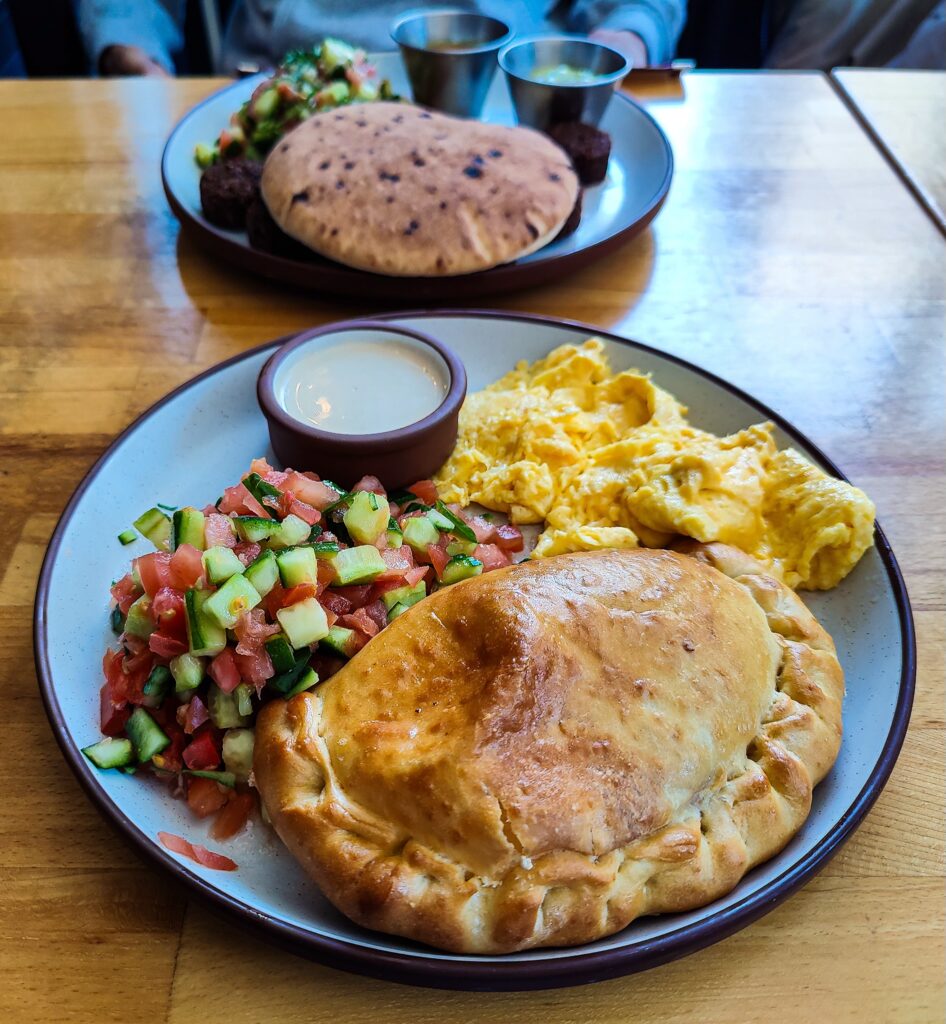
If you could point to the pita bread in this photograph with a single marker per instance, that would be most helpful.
(395, 189)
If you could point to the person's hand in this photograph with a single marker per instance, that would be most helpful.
(629, 44)
(129, 60)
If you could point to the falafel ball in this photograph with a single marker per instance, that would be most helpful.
(574, 218)
(589, 149)
(227, 189)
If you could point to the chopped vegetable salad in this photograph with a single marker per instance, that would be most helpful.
(259, 597)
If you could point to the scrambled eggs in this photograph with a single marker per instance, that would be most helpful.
(609, 461)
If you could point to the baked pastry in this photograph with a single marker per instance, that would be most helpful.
(395, 189)
(538, 756)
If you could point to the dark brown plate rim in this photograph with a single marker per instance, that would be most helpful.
(336, 279)
(437, 971)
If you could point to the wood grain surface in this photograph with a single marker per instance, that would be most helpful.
(904, 112)
(789, 258)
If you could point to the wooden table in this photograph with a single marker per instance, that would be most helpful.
(789, 258)
(904, 112)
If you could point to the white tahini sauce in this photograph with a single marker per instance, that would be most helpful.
(359, 384)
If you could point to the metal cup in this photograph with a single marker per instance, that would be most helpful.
(541, 104)
(452, 80)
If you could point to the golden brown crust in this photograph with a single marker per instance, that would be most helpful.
(394, 189)
(538, 756)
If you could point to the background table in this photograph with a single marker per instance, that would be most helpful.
(788, 257)
(904, 112)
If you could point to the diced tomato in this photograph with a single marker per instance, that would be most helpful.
(312, 492)
(357, 594)
(255, 668)
(492, 556)
(252, 631)
(186, 567)
(300, 592)
(305, 512)
(154, 571)
(287, 92)
(112, 716)
(126, 591)
(398, 561)
(484, 529)
(203, 752)
(165, 646)
(197, 853)
(247, 552)
(115, 678)
(438, 558)
(239, 500)
(377, 613)
(205, 797)
(170, 759)
(426, 490)
(219, 531)
(169, 614)
(276, 478)
(233, 815)
(192, 715)
(272, 602)
(360, 620)
(332, 601)
(261, 466)
(509, 537)
(224, 670)
(413, 576)
(325, 573)
(382, 586)
(137, 669)
(372, 484)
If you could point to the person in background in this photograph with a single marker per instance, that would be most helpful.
(140, 37)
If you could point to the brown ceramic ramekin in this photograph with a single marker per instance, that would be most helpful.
(397, 457)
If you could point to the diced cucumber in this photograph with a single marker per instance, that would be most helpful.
(361, 564)
(256, 529)
(158, 684)
(309, 679)
(335, 53)
(461, 547)
(461, 529)
(404, 595)
(221, 563)
(266, 104)
(224, 778)
(366, 517)
(238, 752)
(223, 709)
(324, 547)
(303, 622)
(147, 737)
(156, 526)
(234, 598)
(442, 522)
(205, 155)
(419, 533)
(340, 640)
(128, 536)
(244, 699)
(292, 531)
(117, 620)
(258, 487)
(461, 567)
(397, 611)
(188, 528)
(188, 672)
(204, 635)
(110, 753)
(285, 681)
(395, 536)
(139, 621)
(280, 653)
(297, 565)
(263, 573)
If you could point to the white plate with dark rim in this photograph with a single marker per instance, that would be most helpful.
(622, 205)
(199, 438)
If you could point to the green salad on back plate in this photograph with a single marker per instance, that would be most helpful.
(331, 74)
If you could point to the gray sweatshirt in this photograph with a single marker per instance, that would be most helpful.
(261, 31)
